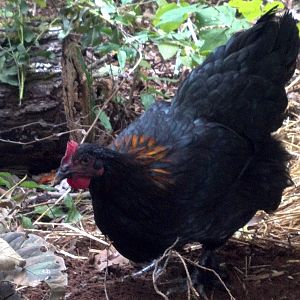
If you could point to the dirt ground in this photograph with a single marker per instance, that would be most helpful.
(253, 273)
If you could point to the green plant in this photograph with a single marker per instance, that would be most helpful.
(18, 190)
(11, 181)
(18, 41)
(182, 31)
(253, 9)
(67, 210)
(191, 41)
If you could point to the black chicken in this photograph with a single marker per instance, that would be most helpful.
(199, 168)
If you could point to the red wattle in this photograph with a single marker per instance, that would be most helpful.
(79, 183)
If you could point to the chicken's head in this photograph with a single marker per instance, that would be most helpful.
(79, 165)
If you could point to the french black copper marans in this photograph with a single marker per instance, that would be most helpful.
(200, 167)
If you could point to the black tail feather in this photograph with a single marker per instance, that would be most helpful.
(241, 85)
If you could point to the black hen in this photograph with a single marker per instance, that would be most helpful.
(199, 168)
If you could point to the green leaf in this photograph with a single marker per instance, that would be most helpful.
(130, 52)
(120, 99)
(170, 16)
(107, 8)
(23, 7)
(54, 212)
(254, 9)
(30, 184)
(4, 182)
(41, 3)
(187, 61)
(68, 201)
(10, 71)
(122, 59)
(107, 47)
(141, 37)
(26, 222)
(28, 35)
(213, 38)
(46, 187)
(271, 5)
(161, 2)
(11, 80)
(211, 16)
(128, 19)
(198, 59)
(167, 50)
(22, 55)
(104, 119)
(108, 70)
(162, 10)
(92, 36)
(73, 216)
(178, 63)
(145, 64)
(147, 100)
(5, 174)
(6, 12)
(216, 27)
(2, 60)
(251, 10)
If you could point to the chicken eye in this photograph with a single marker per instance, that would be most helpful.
(85, 161)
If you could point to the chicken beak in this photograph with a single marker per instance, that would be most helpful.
(62, 173)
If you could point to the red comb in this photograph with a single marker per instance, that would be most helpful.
(71, 149)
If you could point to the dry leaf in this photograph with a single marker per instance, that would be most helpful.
(9, 258)
(42, 265)
(109, 257)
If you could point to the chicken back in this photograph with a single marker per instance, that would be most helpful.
(198, 168)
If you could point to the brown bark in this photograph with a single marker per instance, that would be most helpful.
(56, 107)
(40, 117)
(76, 90)
(30, 133)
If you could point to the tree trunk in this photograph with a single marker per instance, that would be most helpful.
(56, 106)
(31, 139)
(77, 90)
